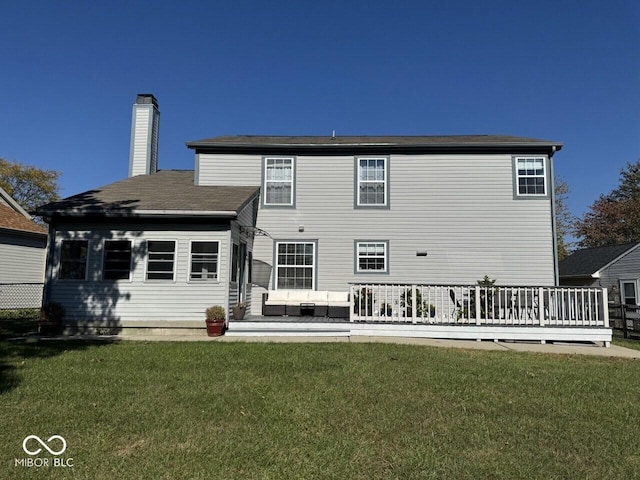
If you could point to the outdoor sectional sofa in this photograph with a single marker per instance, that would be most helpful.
(317, 303)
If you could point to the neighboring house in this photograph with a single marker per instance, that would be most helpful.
(311, 212)
(615, 267)
(23, 248)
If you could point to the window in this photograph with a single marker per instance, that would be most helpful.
(371, 257)
(278, 181)
(295, 265)
(160, 259)
(117, 260)
(73, 259)
(372, 182)
(629, 293)
(204, 260)
(531, 176)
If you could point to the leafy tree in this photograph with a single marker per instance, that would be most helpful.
(614, 218)
(29, 186)
(564, 219)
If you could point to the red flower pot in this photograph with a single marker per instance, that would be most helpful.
(215, 328)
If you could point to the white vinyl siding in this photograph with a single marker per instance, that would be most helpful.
(459, 209)
(531, 176)
(371, 257)
(73, 260)
(278, 181)
(117, 260)
(161, 259)
(22, 258)
(155, 303)
(204, 261)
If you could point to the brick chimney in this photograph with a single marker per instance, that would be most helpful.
(145, 123)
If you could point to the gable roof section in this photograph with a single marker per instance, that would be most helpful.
(589, 261)
(13, 217)
(164, 193)
(375, 144)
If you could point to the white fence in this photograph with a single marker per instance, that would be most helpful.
(479, 305)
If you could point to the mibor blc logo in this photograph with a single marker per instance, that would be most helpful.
(33, 445)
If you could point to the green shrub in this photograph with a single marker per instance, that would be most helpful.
(216, 313)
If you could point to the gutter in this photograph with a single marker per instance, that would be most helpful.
(141, 213)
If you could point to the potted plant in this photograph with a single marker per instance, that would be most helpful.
(422, 306)
(239, 310)
(215, 320)
(51, 315)
(386, 310)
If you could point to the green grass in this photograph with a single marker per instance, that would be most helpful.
(18, 322)
(353, 411)
(632, 340)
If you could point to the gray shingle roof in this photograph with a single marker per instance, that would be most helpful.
(164, 192)
(387, 142)
(586, 262)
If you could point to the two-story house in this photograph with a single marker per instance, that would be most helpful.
(262, 213)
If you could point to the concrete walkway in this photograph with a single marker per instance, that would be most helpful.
(554, 348)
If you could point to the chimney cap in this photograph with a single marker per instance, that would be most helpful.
(147, 98)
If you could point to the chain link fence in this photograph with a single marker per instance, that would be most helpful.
(14, 296)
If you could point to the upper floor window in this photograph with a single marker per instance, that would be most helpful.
(117, 260)
(531, 176)
(371, 257)
(73, 259)
(204, 260)
(278, 181)
(372, 188)
(160, 259)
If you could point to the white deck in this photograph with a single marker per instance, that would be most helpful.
(542, 314)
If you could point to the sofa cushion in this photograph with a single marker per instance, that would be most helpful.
(277, 297)
(318, 297)
(338, 299)
(296, 297)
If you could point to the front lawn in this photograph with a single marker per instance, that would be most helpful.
(353, 411)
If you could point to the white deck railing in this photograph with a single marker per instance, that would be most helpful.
(479, 305)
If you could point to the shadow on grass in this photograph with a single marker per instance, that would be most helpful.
(19, 343)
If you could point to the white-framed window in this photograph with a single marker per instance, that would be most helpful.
(295, 265)
(372, 182)
(372, 256)
(278, 181)
(204, 260)
(116, 263)
(161, 256)
(531, 176)
(73, 259)
(629, 292)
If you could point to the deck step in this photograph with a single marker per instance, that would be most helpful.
(248, 328)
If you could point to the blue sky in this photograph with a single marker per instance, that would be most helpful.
(558, 70)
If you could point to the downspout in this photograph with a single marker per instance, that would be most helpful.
(554, 228)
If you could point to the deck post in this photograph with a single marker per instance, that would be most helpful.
(605, 307)
(414, 304)
(541, 306)
(478, 306)
(352, 303)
